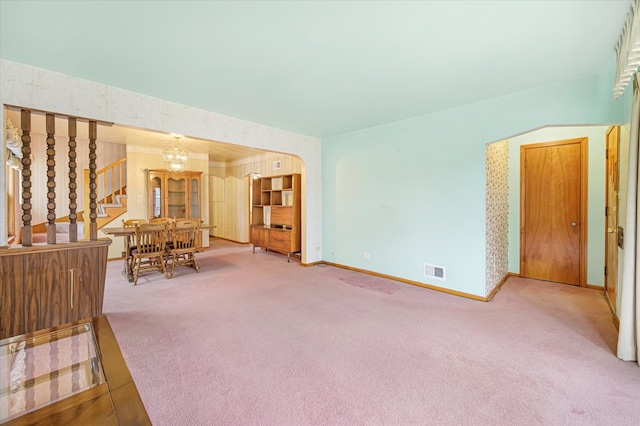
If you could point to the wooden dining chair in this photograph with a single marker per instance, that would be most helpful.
(184, 245)
(130, 242)
(193, 221)
(149, 252)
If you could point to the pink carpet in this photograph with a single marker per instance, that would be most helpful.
(254, 340)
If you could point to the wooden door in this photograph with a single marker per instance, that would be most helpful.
(611, 211)
(553, 211)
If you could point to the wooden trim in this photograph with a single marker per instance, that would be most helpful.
(320, 262)
(594, 287)
(42, 247)
(231, 241)
(584, 159)
(498, 287)
(416, 283)
(612, 140)
(616, 322)
(584, 148)
(614, 316)
(522, 210)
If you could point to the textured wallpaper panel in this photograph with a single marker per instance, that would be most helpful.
(497, 230)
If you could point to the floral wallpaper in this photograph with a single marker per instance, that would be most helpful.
(497, 214)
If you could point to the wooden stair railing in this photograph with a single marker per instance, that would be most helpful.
(109, 182)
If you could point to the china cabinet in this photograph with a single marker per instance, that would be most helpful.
(174, 194)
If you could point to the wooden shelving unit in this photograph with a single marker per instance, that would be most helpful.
(276, 214)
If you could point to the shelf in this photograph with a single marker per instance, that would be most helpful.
(276, 215)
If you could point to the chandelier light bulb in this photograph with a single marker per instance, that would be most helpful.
(174, 157)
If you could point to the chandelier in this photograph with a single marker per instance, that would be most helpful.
(174, 157)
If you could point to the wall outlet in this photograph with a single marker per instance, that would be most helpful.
(366, 255)
(141, 199)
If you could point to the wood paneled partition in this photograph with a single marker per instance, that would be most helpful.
(48, 284)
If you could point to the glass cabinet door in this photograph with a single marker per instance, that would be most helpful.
(156, 196)
(176, 197)
(195, 198)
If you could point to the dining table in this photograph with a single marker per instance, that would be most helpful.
(128, 232)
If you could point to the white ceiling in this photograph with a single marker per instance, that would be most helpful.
(319, 68)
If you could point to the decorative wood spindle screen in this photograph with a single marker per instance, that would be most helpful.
(25, 124)
(93, 195)
(51, 179)
(27, 231)
(73, 186)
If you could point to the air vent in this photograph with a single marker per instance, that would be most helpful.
(276, 165)
(435, 271)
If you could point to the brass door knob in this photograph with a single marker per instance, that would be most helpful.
(574, 224)
(611, 230)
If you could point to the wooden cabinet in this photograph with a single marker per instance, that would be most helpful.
(175, 195)
(46, 286)
(276, 213)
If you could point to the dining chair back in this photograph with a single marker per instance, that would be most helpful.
(161, 220)
(184, 244)
(130, 241)
(149, 252)
(130, 223)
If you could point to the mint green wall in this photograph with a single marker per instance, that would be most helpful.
(413, 191)
(595, 193)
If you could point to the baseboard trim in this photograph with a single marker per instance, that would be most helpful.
(594, 287)
(211, 237)
(403, 280)
(498, 286)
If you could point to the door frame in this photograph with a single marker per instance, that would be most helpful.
(608, 269)
(583, 201)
